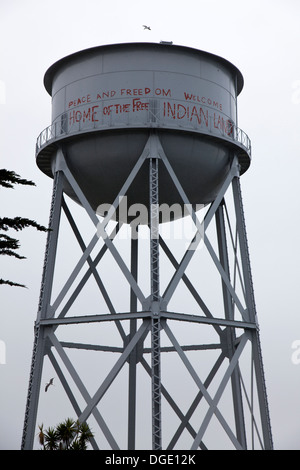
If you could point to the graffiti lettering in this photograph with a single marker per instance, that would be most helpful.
(203, 100)
(162, 92)
(117, 108)
(198, 109)
(179, 111)
(106, 94)
(79, 101)
(225, 125)
(135, 91)
(138, 105)
(85, 115)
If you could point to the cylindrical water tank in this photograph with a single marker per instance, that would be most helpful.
(108, 99)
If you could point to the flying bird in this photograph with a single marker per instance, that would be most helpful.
(146, 27)
(48, 384)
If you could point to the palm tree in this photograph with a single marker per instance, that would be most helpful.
(48, 438)
(9, 245)
(68, 435)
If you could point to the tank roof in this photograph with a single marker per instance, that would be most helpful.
(49, 75)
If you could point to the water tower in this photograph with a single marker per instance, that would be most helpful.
(143, 137)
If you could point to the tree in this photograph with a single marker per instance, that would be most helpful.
(68, 435)
(9, 245)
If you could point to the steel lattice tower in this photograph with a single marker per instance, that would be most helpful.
(222, 387)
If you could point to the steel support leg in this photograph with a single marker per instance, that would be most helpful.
(256, 348)
(39, 347)
(133, 355)
(155, 324)
(230, 332)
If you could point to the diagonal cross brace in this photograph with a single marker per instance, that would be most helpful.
(201, 386)
(92, 270)
(190, 251)
(114, 371)
(86, 277)
(185, 418)
(213, 405)
(62, 166)
(69, 366)
(68, 391)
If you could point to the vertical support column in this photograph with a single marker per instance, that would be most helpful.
(39, 347)
(256, 348)
(133, 355)
(230, 332)
(155, 324)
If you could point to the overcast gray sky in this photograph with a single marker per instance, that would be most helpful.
(262, 39)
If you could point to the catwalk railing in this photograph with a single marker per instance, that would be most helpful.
(80, 122)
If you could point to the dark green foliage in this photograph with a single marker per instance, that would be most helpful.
(9, 245)
(10, 283)
(68, 435)
(9, 178)
(18, 223)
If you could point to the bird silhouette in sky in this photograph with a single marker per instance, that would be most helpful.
(146, 27)
(48, 384)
